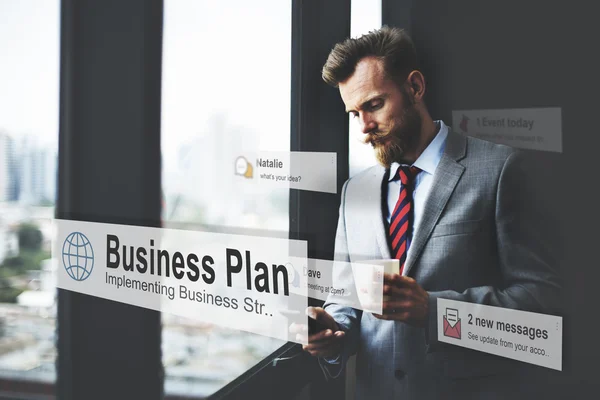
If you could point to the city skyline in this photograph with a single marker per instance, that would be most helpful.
(28, 170)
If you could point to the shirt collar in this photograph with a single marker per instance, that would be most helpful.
(431, 156)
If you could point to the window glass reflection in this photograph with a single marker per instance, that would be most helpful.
(226, 92)
(29, 78)
(365, 16)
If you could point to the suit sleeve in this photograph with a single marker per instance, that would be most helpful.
(529, 280)
(348, 318)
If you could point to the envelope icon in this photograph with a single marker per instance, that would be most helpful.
(452, 331)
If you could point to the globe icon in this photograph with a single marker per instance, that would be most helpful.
(78, 256)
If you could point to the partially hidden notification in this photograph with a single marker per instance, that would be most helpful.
(358, 285)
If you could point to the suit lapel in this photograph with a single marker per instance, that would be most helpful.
(445, 178)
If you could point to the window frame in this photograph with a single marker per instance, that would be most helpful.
(126, 75)
(82, 27)
(109, 104)
(315, 107)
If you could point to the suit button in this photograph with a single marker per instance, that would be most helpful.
(399, 374)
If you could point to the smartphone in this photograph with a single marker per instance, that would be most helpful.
(315, 326)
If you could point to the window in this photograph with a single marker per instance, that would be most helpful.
(365, 17)
(29, 77)
(226, 92)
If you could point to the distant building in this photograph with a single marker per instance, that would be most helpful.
(9, 182)
(37, 174)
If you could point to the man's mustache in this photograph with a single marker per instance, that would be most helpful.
(374, 138)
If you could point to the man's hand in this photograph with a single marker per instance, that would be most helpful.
(407, 301)
(326, 343)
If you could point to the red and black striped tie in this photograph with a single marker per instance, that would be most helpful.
(402, 217)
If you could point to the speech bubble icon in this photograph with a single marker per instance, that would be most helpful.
(293, 275)
(243, 167)
(248, 173)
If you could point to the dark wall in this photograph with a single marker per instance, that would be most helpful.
(514, 54)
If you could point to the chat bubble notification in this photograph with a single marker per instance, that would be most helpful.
(243, 167)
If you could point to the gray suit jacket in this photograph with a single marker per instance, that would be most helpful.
(477, 242)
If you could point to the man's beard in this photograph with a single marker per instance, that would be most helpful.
(391, 146)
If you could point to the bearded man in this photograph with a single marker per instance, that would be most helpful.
(454, 210)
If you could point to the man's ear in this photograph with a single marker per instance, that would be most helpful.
(416, 81)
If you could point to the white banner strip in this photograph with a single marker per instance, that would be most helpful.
(241, 282)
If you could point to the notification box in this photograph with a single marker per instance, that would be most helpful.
(526, 128)
(314, 171)
(525, 336)
(358, 285)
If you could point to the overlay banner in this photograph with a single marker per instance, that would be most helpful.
(241, 282)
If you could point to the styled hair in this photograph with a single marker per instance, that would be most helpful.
(390, 44)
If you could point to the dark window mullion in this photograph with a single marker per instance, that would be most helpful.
(318, 123)
(109, 171)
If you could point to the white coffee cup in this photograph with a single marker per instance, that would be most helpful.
(369, 281)
(390, 266)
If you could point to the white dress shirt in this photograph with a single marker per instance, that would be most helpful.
(427, 163)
